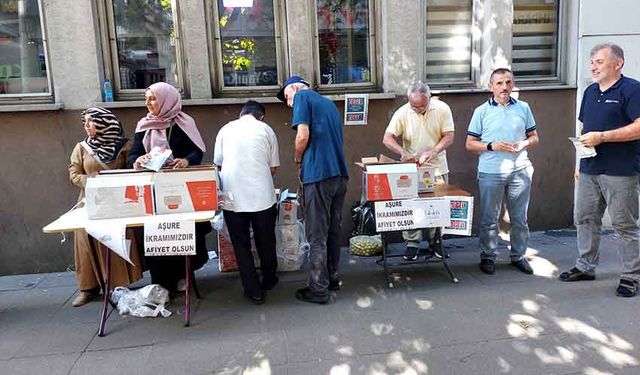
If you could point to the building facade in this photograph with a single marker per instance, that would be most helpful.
(57, 55)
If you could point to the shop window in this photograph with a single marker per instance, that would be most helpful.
(449, 41)
(24, 72)
(143, 45)
(535, 38)
(247, 44)
(345, 42)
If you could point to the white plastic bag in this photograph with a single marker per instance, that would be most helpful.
(144, 302)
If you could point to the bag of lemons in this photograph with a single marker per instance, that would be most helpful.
(365, 245)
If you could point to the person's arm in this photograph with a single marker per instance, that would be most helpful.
(445, 141)
(77, 175)
(532, 140)
(137, 150)
(301, 143)
(474, 144)
(389, 140)
(626, 133)
(273, 170)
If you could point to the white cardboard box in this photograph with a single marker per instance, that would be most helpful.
(426, 179)
(119, 195)
(389, 181)
(186, 190)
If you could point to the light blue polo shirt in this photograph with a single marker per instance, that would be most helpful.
(492, 122)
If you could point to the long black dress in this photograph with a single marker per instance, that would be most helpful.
(167, 270)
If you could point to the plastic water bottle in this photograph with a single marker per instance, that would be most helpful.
(107, 91)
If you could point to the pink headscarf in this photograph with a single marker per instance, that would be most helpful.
(170, 110)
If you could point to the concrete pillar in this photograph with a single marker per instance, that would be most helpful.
(195, 52)
(71, 34)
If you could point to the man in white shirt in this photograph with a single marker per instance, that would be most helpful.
(246, 151)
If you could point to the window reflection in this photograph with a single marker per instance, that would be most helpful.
(535, 38)
(449, 40)
(23, 67)
(248, 43)
(146, 44)
(343, 41)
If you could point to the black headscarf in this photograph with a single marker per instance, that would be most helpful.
(109, 137)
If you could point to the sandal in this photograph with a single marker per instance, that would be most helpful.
(627, 287)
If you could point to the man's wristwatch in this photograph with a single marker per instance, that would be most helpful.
(490, 146)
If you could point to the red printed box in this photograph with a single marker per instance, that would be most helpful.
(186, 190)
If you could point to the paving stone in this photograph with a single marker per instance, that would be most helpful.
(52, 365)
(132, 360)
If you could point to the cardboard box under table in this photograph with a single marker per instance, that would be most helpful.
(437, 209)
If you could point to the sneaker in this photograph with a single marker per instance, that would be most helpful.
(307, 295)
(523, 265)
(83, 298)
(257, 299)
(627, 287)
(575, 274)
(411, 253)
(334, 285)
(487, 266)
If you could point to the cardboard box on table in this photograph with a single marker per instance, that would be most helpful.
(113, 196)
(186, 190)
(385, 179)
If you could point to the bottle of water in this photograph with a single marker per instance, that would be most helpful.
(107, 91)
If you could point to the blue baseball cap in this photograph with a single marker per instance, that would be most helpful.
(289, 81)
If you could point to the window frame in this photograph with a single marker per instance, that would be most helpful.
(215, 60)
(107, 28)
(374, 59)
(35, 98)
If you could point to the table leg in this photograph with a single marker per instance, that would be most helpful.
(440, 250)
(385, 264)
(187, 292)
(106, 292)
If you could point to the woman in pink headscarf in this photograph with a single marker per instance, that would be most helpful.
(166, 126)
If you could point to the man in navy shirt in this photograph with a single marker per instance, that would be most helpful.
(610, 116)
(319, 153)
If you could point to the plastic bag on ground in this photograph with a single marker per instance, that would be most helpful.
(144, 302)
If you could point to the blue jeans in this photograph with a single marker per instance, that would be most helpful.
(493, 187)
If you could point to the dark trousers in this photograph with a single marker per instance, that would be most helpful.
(264, 234)
(323, 202)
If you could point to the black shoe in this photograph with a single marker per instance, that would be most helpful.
(334, 285)
(270, 284)
(411, 253)
(487, 266)
(575, 274)
(627, 287)
(307, 295)
(257, 299)
(523, 265)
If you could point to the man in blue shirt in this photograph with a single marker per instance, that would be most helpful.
(501, 130)
(610, 116)
(319, 153)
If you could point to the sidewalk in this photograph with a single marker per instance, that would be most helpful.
(507, 323)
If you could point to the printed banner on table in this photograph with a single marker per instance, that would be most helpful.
(406, 214)
(356, 107)
(169, 237)
(461, 216)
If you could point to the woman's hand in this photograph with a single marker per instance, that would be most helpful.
(179, 163)
(141, 160)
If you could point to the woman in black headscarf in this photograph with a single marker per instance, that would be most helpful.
(105, 147)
